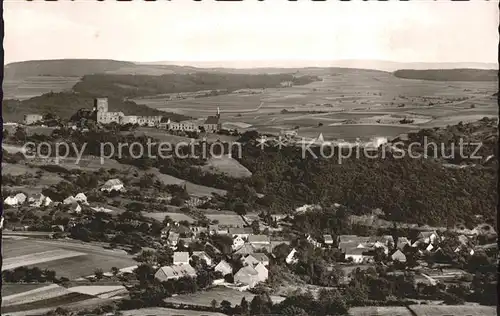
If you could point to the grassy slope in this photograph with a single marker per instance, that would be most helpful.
(449, 74)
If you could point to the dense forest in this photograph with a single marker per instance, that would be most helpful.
(415, 190)
(123, 86)
(449, 74)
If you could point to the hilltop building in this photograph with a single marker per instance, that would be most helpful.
(32, 118)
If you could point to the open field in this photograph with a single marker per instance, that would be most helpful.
(219, 294)
(226, 219)
(38, 257)
(31, 130)
(344, 95)
(16, 288)
(228, 166)
(380, 311)
(159, 311)
(90, 257)
(36, 85)
(459, 310)
(160, 216)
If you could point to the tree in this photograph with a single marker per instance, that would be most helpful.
(293, 311)
(98, 274)
(225, 306)
(244, 306)
(115, 271)
(213, 303)
(259, 305)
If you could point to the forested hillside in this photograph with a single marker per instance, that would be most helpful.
(65, 104)
(134, 86)
(449, 74)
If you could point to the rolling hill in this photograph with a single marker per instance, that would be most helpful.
(65, 104)
(449, 74)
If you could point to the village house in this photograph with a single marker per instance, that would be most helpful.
(402, 242)
(17, 199)
(245, 249)
(328, 239)
(357, 255)
(238, 242)
(262, 271)
(247, 276)
(186, 126)
(113, 185)
(202, 255)
(81, 198)
(197, 230)
(164, 233)
(398, 256)
(291, 259)
(75, 208)
(259, 241)
(32, 118)
(70, 200)
(172, 239)
(39, 200)
(175, 272)
(255, 258)
(242, 232)
(428, 237)
(223, 267)
(181, 257)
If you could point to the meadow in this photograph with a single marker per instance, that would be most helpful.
(36, 85)
(204, 298)
(67, 259)
(353, 98)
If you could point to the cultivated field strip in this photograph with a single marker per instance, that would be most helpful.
(40, 257)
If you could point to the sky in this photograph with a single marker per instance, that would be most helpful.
(183, 30)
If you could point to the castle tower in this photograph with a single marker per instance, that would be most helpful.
(101, 104)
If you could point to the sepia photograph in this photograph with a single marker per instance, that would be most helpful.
(250, 158)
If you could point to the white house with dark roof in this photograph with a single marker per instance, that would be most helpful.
(181, 257)
(262, 271)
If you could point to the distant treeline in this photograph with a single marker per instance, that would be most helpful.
(449, 74)
(62, 67)
(128, 86)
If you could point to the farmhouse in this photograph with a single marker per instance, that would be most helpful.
(328, 240)
(186, 126)
(248, 276)
(17, 199)
(357, 255)
(202, 255)
(39, 200)
(240, 232)
(430, 237)
(399, 256)
(175, 272)
(181, 257)
(113, 185)
(256, 258)
(224, 268)
(81, 197)
(32, 118)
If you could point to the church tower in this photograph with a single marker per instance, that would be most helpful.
(218, 112)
